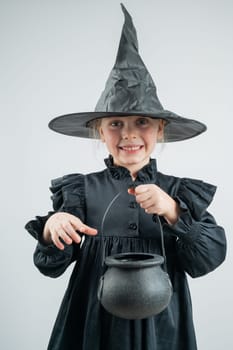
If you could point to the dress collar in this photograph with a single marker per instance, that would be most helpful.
(147, 174)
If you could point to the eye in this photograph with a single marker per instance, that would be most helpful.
(115, 124)
(142, 121)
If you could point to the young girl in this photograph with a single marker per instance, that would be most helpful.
(130, 120)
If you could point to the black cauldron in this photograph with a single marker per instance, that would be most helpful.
(134, 285)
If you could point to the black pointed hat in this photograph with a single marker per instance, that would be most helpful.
(129, 90)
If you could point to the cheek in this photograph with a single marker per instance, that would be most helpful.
(105, 135)
(110, 139)
(152, 135)
(151, 140)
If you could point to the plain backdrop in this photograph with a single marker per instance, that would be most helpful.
(55, 59)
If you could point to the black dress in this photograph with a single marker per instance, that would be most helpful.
(195, 245)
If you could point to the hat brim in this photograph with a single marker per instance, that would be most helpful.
(177, 128)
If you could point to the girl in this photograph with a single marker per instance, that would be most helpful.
(130, 120)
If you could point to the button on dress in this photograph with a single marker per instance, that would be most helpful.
(195, 245)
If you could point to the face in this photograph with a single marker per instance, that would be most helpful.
(131, 140)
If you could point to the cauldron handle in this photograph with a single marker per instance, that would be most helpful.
(162, 243)
(102, 225)
(160, 228)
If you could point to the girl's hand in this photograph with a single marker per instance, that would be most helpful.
(155, 201)
(65, 226)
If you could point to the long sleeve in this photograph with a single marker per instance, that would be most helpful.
(67, 196)
(201, 242)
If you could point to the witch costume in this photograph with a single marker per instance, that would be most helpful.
(195, 245)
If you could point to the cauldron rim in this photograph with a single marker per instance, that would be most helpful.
(134, 260)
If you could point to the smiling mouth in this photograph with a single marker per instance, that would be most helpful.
(131, 148)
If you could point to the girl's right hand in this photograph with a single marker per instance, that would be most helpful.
(65, 226)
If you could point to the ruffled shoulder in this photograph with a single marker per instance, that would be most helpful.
(68, 192)
(196, 195)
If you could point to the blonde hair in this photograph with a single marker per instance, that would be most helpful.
(94, 126)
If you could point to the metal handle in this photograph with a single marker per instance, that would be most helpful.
(102, 230)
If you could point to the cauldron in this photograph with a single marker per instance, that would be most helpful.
(134, 285)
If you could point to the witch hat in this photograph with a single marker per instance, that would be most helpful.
(129, 91)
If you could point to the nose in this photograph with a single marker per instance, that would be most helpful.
(129, 132)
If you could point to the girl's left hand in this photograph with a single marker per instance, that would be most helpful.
(155, 201)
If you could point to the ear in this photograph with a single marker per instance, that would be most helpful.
(161, 130)
(102, 138)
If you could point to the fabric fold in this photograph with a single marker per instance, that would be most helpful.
(195, 196)
(68, 194)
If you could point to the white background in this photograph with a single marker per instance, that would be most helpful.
(55, 59)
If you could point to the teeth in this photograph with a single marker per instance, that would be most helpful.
(131, 148)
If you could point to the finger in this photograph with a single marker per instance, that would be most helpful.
(141, 189)
(150, 210)
(57, 242)
(81, 227)
(71, 232)
(147, 204)
(88, 230)
(64, 236)
(131, 190)
(140, 198)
